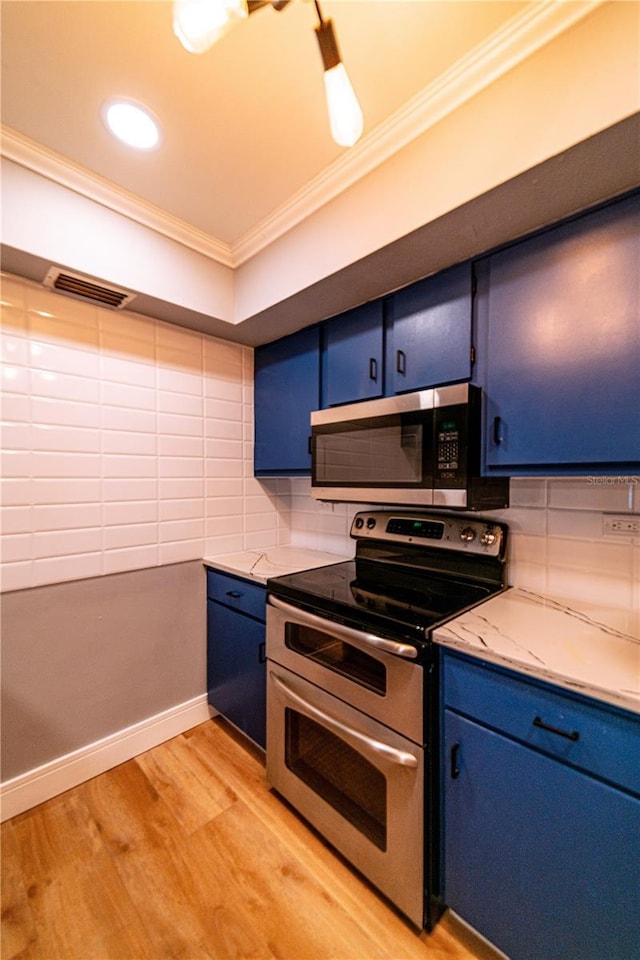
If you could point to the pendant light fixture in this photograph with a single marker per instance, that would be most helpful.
(345, 115)
(198, 24)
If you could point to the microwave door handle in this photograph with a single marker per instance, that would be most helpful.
(381, 750)
(338, 630)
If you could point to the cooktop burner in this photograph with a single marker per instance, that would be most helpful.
(411, 572)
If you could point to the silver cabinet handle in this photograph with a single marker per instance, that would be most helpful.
(381, 750)
(347, 633)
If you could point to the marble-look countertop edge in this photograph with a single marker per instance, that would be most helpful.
(478, 646)
(601, 694)
(258, 565)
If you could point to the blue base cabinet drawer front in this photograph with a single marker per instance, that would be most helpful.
(600, 740)
(249, 598)
(540, 858)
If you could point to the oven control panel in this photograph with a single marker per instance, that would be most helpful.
(471, 535)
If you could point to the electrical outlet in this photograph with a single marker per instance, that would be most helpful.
(621, 524)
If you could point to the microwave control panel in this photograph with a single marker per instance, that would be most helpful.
(448, 449)
(450, 429)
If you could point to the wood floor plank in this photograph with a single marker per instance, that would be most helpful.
(191, 788)
(191, 905)
(279, 895)
(82, 910)
(185, 853)
(18, 927)
(128, 811)
(163, 894)
(62, 832)
(249, 782)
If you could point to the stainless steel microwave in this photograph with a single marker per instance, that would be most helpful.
(422, 449)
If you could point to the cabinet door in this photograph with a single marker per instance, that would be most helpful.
(563, 348)
(287, 389)
(429, 332)
(236, 671)
(539, 858)
(352, 356)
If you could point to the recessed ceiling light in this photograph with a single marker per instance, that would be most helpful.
(132, 124)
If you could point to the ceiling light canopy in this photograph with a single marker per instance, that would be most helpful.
(132, 124)
(198, 24)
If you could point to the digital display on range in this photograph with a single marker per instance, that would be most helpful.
(410, 527)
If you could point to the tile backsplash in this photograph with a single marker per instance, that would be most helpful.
(127, 442)
(557, 544)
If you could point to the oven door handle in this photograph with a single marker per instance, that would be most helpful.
(347, 633)
(381, 750)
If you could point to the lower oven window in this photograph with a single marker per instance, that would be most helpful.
(337, 655)
(339, 774)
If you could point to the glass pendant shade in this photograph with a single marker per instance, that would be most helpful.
(345, 115)
(198, 24)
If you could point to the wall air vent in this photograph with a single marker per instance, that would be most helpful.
(75, 285)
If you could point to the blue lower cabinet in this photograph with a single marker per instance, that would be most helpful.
(539, 857)
(236, 668)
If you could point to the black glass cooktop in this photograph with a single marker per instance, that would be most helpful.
(394, 601)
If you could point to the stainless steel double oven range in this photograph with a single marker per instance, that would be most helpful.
(352, 690)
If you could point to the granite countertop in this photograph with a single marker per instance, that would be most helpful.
(590, 649)
(259, 565)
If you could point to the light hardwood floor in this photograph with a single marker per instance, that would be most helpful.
(183, 852)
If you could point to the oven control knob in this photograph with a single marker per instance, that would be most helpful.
(467, 534)
(371, 522)
(489, 537)
(359, 524)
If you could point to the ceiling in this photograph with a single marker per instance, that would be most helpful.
(244, 125)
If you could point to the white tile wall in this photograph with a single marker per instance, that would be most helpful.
(556, 540)
(128, 442)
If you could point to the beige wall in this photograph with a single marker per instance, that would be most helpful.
(86, 659)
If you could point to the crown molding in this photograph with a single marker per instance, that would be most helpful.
(27, 153)
(519, 38)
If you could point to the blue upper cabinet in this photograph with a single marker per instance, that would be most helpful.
(560, 317)
(429, 332)
(352, 355)
(287, 389)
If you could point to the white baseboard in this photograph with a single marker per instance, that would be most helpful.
(40, 784)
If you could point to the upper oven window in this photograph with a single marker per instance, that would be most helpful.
(337, 655)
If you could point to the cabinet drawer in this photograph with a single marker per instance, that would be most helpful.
(238, 594)
(592, 737)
